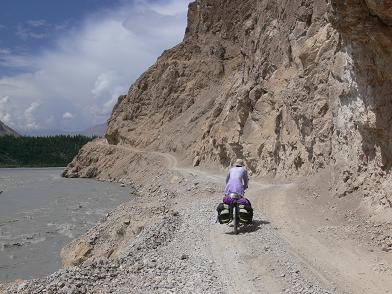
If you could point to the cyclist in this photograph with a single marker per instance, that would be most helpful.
(237, 179)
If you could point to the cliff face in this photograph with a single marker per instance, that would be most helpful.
(243, 83)
(6, 130)
(291, 86)
(361, 99)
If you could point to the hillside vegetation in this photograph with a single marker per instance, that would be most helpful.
(39, 151)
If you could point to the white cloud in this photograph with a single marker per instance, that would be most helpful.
(169, 7)
(5, 116)
(33, 29)
(9, 59)
(36, 22)
(29, 32)
(105, 82)
(67, 115)
(92, 65)
(29, 115)
(5, 51)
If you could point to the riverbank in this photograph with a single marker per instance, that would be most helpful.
(40, 212)
(137, 247)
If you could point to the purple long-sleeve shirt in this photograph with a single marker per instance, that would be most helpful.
(236, 181)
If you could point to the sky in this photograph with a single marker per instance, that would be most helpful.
(63, 64)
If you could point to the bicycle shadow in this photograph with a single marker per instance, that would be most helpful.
(253, 227)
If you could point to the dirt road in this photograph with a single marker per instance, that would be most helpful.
(290, 248)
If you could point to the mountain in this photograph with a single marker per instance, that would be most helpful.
(44, 132)
(293, 87)
(98, 130)
(6, 130)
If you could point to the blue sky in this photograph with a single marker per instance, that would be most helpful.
(64, 63)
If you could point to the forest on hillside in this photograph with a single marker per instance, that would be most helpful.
(39, 151)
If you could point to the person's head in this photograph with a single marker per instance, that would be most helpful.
(239, 162)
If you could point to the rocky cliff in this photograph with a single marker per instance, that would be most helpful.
(291, 86)
(6, 130)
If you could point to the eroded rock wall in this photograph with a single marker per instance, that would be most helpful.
(362, 100)
(249, 80)
(291, 86)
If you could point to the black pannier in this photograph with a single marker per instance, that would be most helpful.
(246, 214)
(223, 213)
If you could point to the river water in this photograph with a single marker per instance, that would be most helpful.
(40, 212)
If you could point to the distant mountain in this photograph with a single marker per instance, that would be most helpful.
(98, 130)
(43, 132)
(6, 130)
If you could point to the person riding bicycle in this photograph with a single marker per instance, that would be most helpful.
(233, 206)
(237, 179)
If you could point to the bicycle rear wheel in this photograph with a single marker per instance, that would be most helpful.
(235, 219)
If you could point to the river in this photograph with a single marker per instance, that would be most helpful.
(40, 212)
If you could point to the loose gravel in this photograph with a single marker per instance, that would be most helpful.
(186, 251)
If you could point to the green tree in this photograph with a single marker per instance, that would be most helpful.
(40, 151)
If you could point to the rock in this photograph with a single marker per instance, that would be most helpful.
(6, 130)
(381, 9)
(21, 286)
(92, 240)
(184, 256)
(196, 161)
(76, 253)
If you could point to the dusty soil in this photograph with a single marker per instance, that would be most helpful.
(330, 235)
(168, 241)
